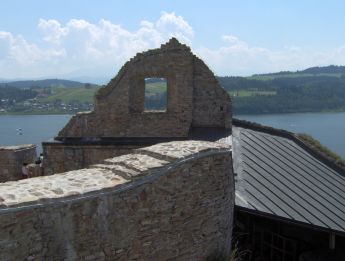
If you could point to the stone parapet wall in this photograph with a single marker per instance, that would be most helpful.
(12, 158)
(172, 201)
(62, 157)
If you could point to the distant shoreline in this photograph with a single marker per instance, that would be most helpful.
(34, 113)
(235, 114)
(294, 112)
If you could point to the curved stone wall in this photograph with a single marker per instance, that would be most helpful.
(171, 201)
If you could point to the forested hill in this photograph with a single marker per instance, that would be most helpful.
(331, 69)
(312, 90)
(43, 84)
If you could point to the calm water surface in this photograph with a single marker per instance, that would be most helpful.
(34, 128)
(328, 128)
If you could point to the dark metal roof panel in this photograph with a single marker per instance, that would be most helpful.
(275, 175)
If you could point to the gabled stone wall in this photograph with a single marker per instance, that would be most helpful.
(12, 158)
(194, 98)
(172, 201)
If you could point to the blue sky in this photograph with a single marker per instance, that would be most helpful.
(71, 39)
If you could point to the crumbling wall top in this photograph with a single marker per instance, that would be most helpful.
(113, 174)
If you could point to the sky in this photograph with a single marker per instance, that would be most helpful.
(91, 40)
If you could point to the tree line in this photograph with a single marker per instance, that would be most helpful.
(13, 94)
(292, 94)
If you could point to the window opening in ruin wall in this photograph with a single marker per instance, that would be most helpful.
(156, 94)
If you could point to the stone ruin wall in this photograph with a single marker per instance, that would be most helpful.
(12, 158)
(172, 201)
(194, 98)
(211, 103)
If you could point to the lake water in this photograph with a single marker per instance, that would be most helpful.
(34, 128)
(328, 128)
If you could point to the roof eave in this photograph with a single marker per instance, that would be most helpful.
(287, 220)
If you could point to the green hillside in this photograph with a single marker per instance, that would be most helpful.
(156, 95)
(312, 90)
(68, 95)
(155, 88)
(82, 94)
(330, 71)
(51, 83)
(265, 77)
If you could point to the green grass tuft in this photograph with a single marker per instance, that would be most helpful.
(315, 144)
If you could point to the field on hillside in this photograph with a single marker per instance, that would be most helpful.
(246, 93)
(155, 88)
(68, 95)
(265, 77)
(81, 94)
(312, 90)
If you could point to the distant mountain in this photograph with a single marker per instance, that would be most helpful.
(326, 69)
(314, 71)
(95, 80)
(44, 83)
(3, 80)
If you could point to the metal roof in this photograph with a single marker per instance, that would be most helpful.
(276, 176)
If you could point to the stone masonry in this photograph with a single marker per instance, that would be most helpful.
(171, 201)
(194, 98)
(12, 158)
(61, 158)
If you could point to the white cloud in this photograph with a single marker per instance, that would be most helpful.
(80, 48)
(237, 57)
(5, 44)
(171, 25)
(52, 30)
